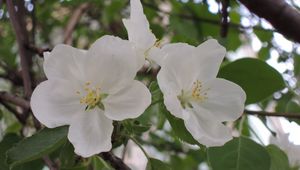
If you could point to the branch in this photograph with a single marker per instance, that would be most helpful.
(277, 114)
(18, 115)
(17, 21)
(116, 162)
(281, 15)
(37, 50)
(73, 21)
(7, 97)
(224, 21)
(51, 165)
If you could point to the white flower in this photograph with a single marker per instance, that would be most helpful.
(193, 93)
(293, 151)
(140, 35)
(88, 90)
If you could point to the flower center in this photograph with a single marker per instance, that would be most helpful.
(92, 97)
(196, 94)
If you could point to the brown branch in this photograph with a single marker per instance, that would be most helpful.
(115, 162)
(17, 21)
(37, 50)
(7, 97)
(224, 21)
(18, 115)
(73, 21)
(280, 14)
(51, 165)
(277, 114)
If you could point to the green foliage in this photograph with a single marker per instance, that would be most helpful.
(279, 160)
(8, 141)
(296, 65)
(257, 78)
(190, 161)
(100, 164)
(239, 154)
(178, 127)
(155, 164)
(67, 155)
(40, 144)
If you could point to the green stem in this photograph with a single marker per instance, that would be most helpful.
(140, 146)
(255, 134)
(242, 123)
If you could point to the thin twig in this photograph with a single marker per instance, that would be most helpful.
(140, 146)
(277, 114)
(37, 50)
(73, 21)
(224, 20)
(51, 165)
(12, 76)
(18, 115)
(115, 162)
(124, 151)
(7, 97)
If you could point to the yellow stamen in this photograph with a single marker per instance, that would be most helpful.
(93, 96)
(196, 94)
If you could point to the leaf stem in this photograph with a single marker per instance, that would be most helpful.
(241, 124)
(140, 146)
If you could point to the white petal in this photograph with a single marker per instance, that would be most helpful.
(206, 130)
(64, 62)
(54, 102)
(211, 54)
(138, 27)
(169, 81)
(157, 55)
(189, 63)
(225, 100)
(173, 105)
(111, 63)
(90, 133)
(129, 102)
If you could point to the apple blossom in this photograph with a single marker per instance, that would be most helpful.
(293, 151)
(193, 93)
(139, 33)
(88, 90)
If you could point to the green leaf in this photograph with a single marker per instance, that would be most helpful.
(178, 126)
(36, 146)
(292, 107)
(279, 160)
(8, 141)
(239, 154)
(257, 78)
(264, 35)
(296, 64)
(184, 30)
(100, 164)
(155, 164)
(78, 167)
(32, 165)
(67, 155)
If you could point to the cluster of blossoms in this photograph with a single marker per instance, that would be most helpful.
(88, 90)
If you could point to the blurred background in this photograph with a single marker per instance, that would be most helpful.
(42, 24)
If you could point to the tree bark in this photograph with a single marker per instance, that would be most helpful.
(284, 18)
